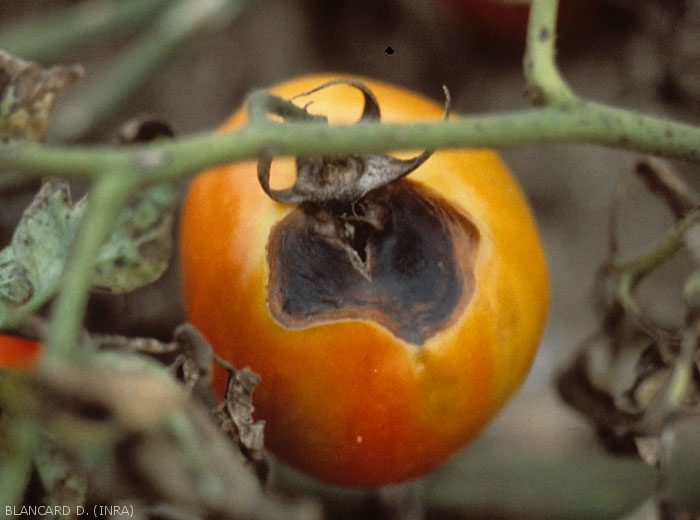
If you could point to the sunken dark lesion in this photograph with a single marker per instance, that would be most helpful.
(401, 256)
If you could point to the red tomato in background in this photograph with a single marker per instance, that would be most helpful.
(505, 24)
(18, 352)
(364, 395)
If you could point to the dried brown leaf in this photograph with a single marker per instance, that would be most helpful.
(235, 416)
(139, 438)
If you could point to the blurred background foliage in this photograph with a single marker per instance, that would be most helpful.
(190, 63)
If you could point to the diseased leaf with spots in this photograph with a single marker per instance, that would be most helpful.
(136, 253)
(31, 265)
(139, 249)
(27, 96)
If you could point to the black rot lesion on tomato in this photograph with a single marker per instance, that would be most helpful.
(409, 267)
(365, 242)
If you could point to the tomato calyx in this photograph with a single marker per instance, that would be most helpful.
(364, 242)
(344, 179)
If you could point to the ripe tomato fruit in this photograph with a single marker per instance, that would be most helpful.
(17, 353)
(376, 377)
(505, 23)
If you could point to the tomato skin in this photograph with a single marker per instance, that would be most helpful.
(505, 24)
(18, 353)
(347, 401)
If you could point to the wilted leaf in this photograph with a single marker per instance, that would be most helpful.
(27, 96)
(137, 436)
(42, 238)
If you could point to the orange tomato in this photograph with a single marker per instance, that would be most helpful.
(17, 353)
(379, 385)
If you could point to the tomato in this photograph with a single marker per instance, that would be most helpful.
(505, 24)
(16, 352)
(369, 380)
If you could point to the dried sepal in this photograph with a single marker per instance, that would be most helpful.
(188, 356)
(370, 110)
(345, 179)
(348, 178)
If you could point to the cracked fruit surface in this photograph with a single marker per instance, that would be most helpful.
(387, 329)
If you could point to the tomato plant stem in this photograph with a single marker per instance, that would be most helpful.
(545, 84)
(179, 21)
(587, 122)
(106, 200)
(634, 271)
(67, 29)
(559, 116)
(665, 248)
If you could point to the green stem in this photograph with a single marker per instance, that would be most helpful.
(589, 122)
(73, 26)
(128, 70)
(546, 86)
(106, 200)
(261, 104)
(632, 272)
(682, 374)
(660, 252)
